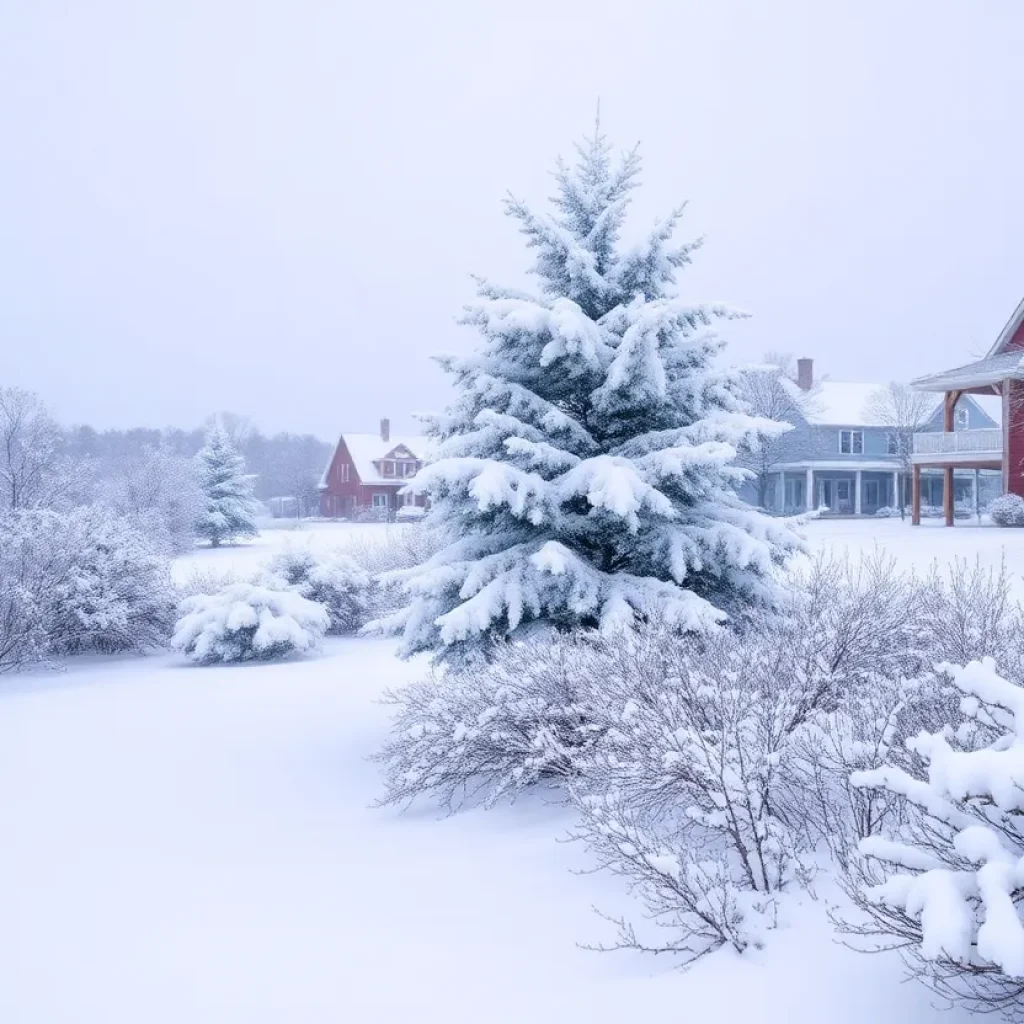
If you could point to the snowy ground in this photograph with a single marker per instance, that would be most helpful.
(197, 844)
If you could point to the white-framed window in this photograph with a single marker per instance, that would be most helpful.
(408, 468)
(380, 500)
(851, 442)
(961, 417)
(343, 472)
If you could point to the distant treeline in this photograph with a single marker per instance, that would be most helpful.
(284, 465)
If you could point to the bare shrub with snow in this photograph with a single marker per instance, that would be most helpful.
(332, 579)
(533, 714)
(686, 794)
(948, 889)
(248, 622)
(1007, 510)
(704, 767)
(389, 558)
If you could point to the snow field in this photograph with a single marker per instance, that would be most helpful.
(182, 843)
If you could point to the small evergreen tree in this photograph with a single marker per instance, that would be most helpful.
(229, 508)
(588, 468)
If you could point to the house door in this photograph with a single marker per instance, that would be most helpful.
(794, 497)
(869, 498)
(843, 503)
(825, 494)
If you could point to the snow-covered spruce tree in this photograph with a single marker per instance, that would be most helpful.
(229, 508)
(588, 468)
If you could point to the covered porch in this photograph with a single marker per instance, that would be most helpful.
(837, 488)
(951, 450)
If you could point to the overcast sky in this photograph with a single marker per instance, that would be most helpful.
(274, 207)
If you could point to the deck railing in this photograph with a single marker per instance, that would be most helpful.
(958, 441)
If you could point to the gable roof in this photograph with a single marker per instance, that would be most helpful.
(841, 403)
(365, 449)
(1008, 332)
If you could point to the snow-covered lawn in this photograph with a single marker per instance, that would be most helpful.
(198, 844)
(919, 547)
(247, 557)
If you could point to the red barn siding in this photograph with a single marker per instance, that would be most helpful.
(1013, 430)
(1016, 339)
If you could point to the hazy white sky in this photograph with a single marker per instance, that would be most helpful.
(274, 207)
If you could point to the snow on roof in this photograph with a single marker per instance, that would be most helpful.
(840, 403)
(990, 370)
(365, 449)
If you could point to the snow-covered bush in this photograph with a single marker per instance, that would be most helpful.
(887, 512)
(533, 714)
(949, 889)
(32, 562)
(247, 622)
(387, 557)
(1007, 510)
(332, 579)
(116, 594)
(229, 509)
(76, 581)
(206, 579)
(588, 472)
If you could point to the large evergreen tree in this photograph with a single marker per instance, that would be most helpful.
(229, 508)
(587, 472)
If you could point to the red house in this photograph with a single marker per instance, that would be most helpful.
(367, 471)
(1000, 373)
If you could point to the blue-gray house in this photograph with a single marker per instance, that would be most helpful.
(841, 459)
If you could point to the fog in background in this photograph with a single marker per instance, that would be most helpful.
(275, 207)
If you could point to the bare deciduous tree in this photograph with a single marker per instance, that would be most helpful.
(29, 439)
(771, 392)
(904, 412)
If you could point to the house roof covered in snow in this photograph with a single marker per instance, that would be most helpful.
(990, 370)
(841, 403)
(366, 449)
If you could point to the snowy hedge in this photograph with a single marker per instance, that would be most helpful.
(332, 579)
(247, 622)
(1007, 510)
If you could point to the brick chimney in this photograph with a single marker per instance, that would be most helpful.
(805, 374)
(385, 430)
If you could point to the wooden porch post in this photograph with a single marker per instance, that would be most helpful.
(948, 424)
(915, 501)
